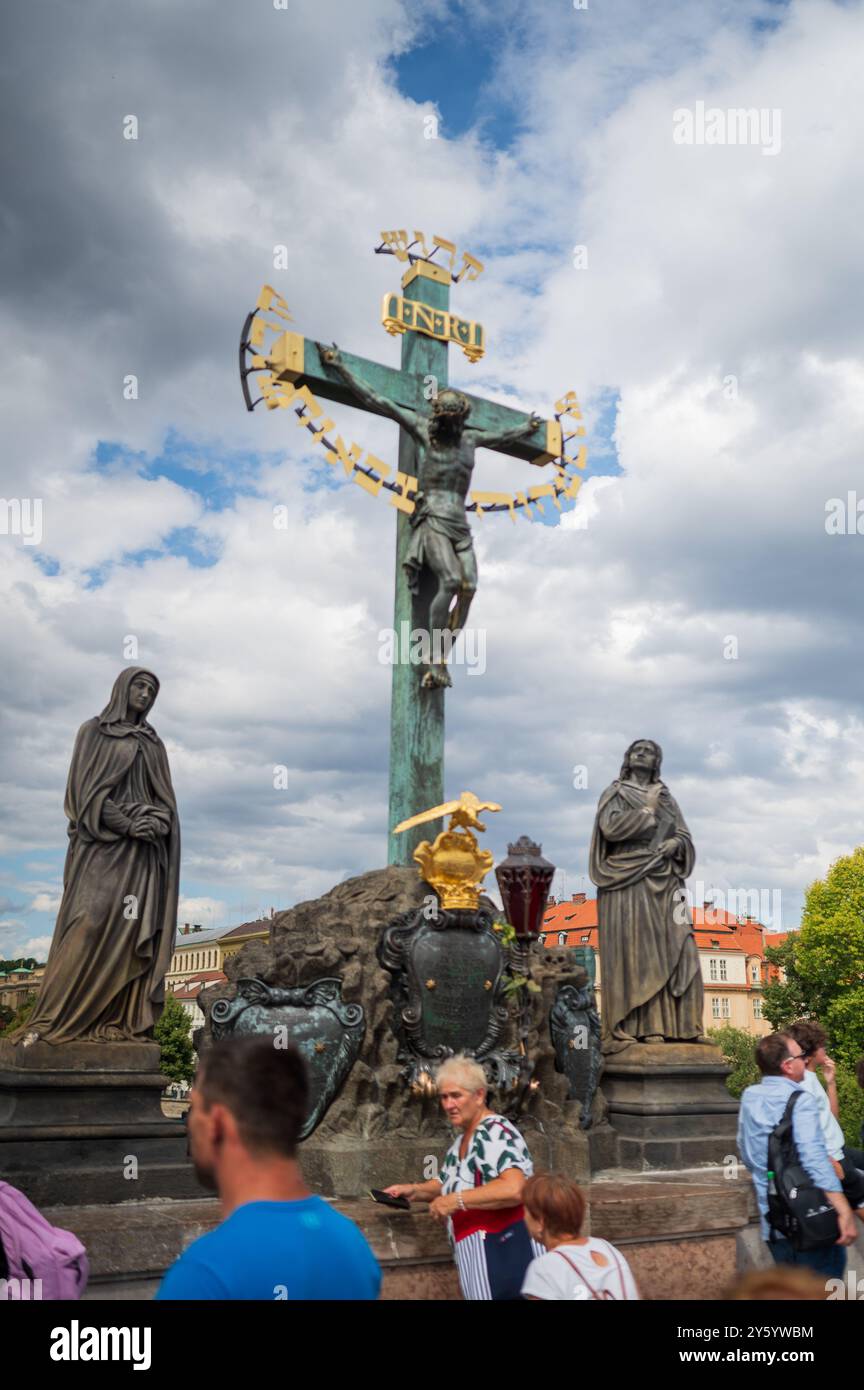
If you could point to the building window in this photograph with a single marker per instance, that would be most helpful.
(562, 938)
(715, 1007)
(754, 974)
(724, 1007)
(722, 968)
(587, 937)
(712, 969)
(757, 1008)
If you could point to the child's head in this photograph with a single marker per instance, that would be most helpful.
(554, 1207)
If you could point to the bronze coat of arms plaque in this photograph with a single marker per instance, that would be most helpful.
(314, 1018)
(448, 976)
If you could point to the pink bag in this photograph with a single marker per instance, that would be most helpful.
(36, 1250)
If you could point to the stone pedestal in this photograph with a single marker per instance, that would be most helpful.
(82, 1123)
(345, 1166)
(669, 1106)
(680, 1236)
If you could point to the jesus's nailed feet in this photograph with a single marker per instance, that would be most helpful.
(436, 677)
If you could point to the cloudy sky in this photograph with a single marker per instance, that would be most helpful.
(711, 326)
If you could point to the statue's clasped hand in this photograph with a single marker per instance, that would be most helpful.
(331, 356)
(148, 827)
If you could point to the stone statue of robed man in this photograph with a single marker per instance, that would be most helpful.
(641, 853)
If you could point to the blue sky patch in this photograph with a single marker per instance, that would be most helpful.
(452, 67)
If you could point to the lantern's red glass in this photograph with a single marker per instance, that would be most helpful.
(525, 879)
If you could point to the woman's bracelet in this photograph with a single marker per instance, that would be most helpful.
(460, 1202)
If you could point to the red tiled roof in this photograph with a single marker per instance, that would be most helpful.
(204, 976)
(776, 938)
(192, 986)
(710, 925)
(191, 991)
(262, 924)
(569, 916)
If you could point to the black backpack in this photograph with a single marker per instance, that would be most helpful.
(797, 1211)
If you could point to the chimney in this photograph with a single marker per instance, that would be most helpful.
(185, 929)
(579, 897)
(551, 902)
(197, 927)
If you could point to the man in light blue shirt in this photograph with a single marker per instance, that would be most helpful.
(782, 1064)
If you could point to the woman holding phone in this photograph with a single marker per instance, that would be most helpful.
(479, 1193)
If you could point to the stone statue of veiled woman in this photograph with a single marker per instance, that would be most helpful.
(112, 944)
(641, 853)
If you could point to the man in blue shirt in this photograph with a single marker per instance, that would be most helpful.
(781, 1062)
(276, 1241)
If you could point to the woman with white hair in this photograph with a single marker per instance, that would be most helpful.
(479, 1193)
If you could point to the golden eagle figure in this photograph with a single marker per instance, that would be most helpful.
(454, 865)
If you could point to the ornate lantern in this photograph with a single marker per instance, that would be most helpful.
(524, 879)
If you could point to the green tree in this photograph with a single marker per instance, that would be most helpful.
(850, 1099)
(784, 1001)
(739, 1050)
(824, 962)
(172, 1032)
(21, 1016)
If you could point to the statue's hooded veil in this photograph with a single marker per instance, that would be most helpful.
(114, 719)
(104, 752)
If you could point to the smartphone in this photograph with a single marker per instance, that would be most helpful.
(386, 1200)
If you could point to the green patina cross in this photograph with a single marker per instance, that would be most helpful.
(435, 568)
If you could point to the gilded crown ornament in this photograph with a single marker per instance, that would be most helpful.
(454, 865)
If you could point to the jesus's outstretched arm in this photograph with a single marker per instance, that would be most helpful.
(493, 439)
(403, 415)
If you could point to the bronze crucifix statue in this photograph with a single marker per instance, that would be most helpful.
(441, 537)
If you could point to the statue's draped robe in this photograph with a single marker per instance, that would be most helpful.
(651, 982)
(116, 927)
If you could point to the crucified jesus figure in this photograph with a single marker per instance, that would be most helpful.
(441, 538)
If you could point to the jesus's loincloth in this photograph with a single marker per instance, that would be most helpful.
(425, 523)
